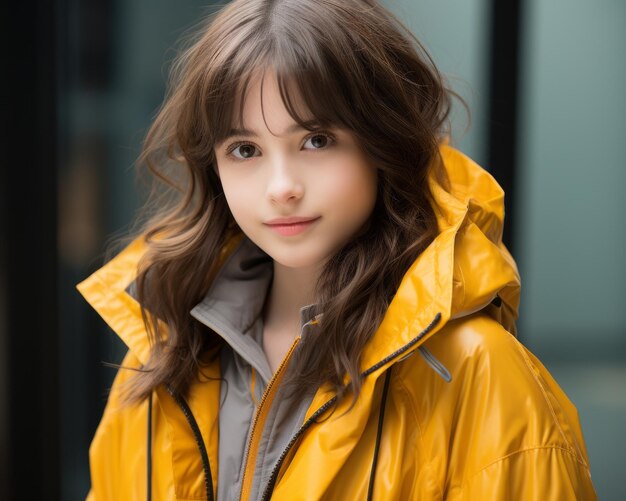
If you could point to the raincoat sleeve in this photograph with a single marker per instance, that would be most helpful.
(548, 470)
(512, 432)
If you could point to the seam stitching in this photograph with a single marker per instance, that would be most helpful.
(528, 449)
(530, 367)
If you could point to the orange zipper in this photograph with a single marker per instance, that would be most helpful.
(259, 423)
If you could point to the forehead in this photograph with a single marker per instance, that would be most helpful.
(264, 110)
(265, 100)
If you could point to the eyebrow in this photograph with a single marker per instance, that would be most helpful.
(308, 125)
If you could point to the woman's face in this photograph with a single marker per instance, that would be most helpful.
(275, 170)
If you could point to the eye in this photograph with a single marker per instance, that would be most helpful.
(242, 151)
(319, 140)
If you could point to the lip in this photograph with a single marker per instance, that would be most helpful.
(290, 220)
(292, 226)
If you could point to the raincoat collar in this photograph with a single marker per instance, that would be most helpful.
(236, 299)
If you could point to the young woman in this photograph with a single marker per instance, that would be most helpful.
(326, 309)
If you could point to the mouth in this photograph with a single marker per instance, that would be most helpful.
(291, 226)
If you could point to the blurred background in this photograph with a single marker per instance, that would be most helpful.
(545, 83)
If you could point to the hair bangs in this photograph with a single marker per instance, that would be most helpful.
(228, 88)
(309, 90)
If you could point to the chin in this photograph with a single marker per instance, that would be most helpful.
(298, 256)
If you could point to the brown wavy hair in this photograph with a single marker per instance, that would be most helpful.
(355, 66)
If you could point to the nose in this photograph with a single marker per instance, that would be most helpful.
(284, 185)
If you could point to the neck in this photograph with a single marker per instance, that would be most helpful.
(291, 289)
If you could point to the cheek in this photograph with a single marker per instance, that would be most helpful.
(354, 189)
(236, 193)
(230, 193)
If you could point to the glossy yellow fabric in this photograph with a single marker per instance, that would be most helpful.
(502, 429)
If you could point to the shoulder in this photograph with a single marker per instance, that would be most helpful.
(501, 402)
(489, 365)
(473, 348)
(479, 343)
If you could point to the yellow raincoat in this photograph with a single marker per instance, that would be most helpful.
(500, 429)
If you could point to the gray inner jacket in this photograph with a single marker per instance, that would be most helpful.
(233, 308)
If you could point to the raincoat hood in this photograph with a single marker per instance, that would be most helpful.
(472, 213)
(464, 270)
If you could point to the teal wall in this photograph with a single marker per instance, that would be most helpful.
(456, 34)
(573, 174)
